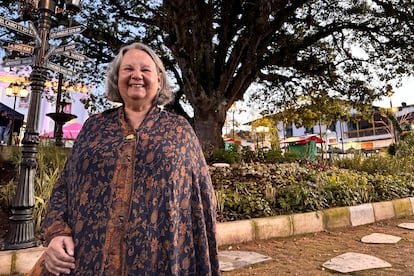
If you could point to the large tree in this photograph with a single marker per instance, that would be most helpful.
(215, 50)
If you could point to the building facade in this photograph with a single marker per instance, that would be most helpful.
(48, 103)
(377, 133)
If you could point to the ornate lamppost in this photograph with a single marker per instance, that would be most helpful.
(21, 232)
(15, 90)
(390, 92)
(233, 110)
(261, 130)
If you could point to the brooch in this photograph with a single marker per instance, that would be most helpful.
(129, 137)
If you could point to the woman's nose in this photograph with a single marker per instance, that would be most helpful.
(136, 75)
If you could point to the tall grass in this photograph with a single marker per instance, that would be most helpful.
(50, 161)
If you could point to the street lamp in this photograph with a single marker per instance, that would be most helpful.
(262, 130)
(21, 231)
(17, 91)
(390, 92)
(233, 110)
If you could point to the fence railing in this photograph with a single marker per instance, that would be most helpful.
(367, 132)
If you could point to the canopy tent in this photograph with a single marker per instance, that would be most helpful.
(11, 112)
(230, 142)
(304, 146)
(70, 131)
(18, 117)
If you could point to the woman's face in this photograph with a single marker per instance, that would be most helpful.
(138, 79)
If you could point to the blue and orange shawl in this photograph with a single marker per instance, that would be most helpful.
(136, 202)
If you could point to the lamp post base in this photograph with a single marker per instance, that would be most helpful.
(20, 231)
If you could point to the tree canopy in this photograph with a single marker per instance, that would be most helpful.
(215, 50)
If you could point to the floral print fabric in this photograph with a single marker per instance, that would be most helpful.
(136, 202)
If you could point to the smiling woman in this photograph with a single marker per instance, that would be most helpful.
(135, 196)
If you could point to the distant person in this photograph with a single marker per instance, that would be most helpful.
(135, 196)
(5, 125)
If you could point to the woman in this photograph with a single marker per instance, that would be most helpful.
(135, 196)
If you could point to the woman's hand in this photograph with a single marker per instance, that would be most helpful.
(59, 255)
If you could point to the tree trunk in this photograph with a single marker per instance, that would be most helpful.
(208, 126)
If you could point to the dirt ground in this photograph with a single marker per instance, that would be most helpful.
(305, 254)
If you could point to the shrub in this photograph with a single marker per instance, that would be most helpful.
(386, 165)
(291, 156)
(50, 161)
(231, 156)
(7, 193)
(257, 189)
(390, 187)
(248, 155)
(299, 198)
(242, 200)
(344, 187)
(274, 156)
(405, 147)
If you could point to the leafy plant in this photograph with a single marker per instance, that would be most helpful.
(274, 156)
(50, 161)
(258, 190)
(291, 156)
(242, 200)
(231, 155)
(405, 147)
(7, 193)
(385, 165)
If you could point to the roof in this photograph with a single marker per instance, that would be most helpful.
(231, 140)
(70, 131)
(301, 140)
(10, 112)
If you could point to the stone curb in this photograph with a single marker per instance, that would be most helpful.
(312, 222)
(21, 261)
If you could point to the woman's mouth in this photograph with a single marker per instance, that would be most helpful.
(137, 85)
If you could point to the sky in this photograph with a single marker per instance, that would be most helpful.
(405, 93)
